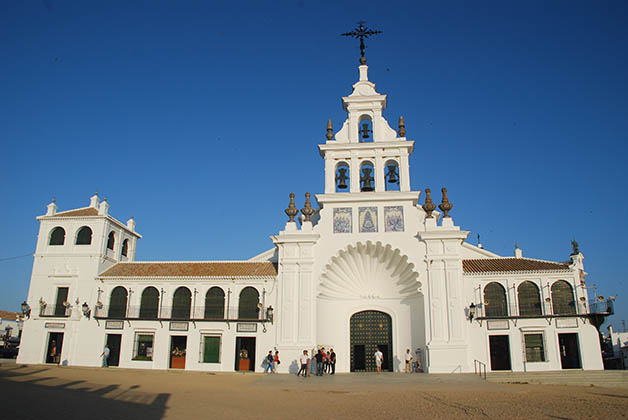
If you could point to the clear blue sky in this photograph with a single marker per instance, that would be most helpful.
(200, 118)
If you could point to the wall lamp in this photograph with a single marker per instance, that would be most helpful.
(471, 312)
(86, 311)
(270, 313)
(26, 309)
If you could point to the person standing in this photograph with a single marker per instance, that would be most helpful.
(408, 361)
(319, 363)
(105, 356)
(276, 361)
(305, 362)
(269, 362)
(53, 352)
(332, 361)
(379, 359)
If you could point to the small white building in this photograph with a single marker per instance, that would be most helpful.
(366, 266)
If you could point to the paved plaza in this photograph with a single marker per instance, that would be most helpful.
(51, 392)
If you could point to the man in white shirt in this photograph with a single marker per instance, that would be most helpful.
(105, 356)
(379, 359)
(305, 362)
(408, 361)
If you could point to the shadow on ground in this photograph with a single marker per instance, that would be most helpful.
(30, 393)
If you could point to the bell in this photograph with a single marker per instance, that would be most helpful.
(366, 179)
(341, 178)
(365, 131)
(392, 174)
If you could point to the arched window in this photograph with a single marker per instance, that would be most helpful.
(392, 176)
(342, 177)
(117, 303)
(125, 247)
(181, 302)
(111, 240)
(149, 306)
(563, 301)
(249, 298)
(495, 300)
(365, 129)
(84, 236)
(215, 303)
(529, 299)
(57, 236)
(367, 177)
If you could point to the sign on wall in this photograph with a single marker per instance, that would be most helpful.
(178, 326)
(114, 325)
(55, 325)
(246, 327)
(566, 322)
(501, 324)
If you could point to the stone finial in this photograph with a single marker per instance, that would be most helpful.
(429, 207)
(94, 200)
(103, 209)
(130, 224)
(402, 127)
(330, 130)
(292, 210)
(445, 205)
(575, 247)
(307, 210)
(51, 209)
(518, 252)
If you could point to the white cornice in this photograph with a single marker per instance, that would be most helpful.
(360, 197)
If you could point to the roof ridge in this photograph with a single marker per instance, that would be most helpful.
(195, 262)
(522, 258)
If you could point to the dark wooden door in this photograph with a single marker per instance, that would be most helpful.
(55, 345)
(113, 342)
(248, 345)
(500, 352)
(569, 351)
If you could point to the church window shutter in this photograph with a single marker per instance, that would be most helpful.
(118, 302)
(529, 299)
(149, 306)
(57, 236)
(84, 236)
(249, 298)
(495, 300)
(215, 303)
(563, 302)
(181, 302)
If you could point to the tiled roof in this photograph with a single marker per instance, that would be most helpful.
(501, 265)
(192, 269)
(87, 211)
(9, 315)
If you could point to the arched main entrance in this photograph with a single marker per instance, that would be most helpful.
(370, 329)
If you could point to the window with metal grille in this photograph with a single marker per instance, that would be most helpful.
(535, 349)
(181, 302)
(563, 302)
(117, 303)
(215, 303)
(143, 346)
(529, 299)
(57, 236)
(84, 236)
(149, 305)
(495, 300)
(247, 308)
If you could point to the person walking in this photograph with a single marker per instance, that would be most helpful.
(319, 363)
(269, 362)
(105, 356)
(276, 361)
(305, 364)
(408, 361)
(379, 359)
(332, 361)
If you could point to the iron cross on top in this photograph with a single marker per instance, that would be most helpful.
(361, 32)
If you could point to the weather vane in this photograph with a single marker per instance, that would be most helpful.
(361, 32)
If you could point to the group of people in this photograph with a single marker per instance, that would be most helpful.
(272, 361)
(325, 362)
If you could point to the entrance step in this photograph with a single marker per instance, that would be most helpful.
(605, 378)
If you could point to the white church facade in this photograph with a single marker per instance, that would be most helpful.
(373, 264)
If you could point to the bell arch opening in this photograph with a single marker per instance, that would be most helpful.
(369, 331)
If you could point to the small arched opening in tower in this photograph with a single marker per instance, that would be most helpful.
(367, 177)
(392, 175)
(342, 177)
(365, 129)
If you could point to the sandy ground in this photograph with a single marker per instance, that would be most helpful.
(47, 392)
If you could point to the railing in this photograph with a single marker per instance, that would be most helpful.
(601, 307)
(479, 367)
(178, 313)
(60, 311)
(545, 309)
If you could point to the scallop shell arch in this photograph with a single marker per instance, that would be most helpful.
(369, 271)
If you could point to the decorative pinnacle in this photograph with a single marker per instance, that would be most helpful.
(54, 199)
(445, 206)
(307, 210)
(402, 127)
(429, 207)
(330, 130)
(292, 210)
(361, 32)
(575, 247)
